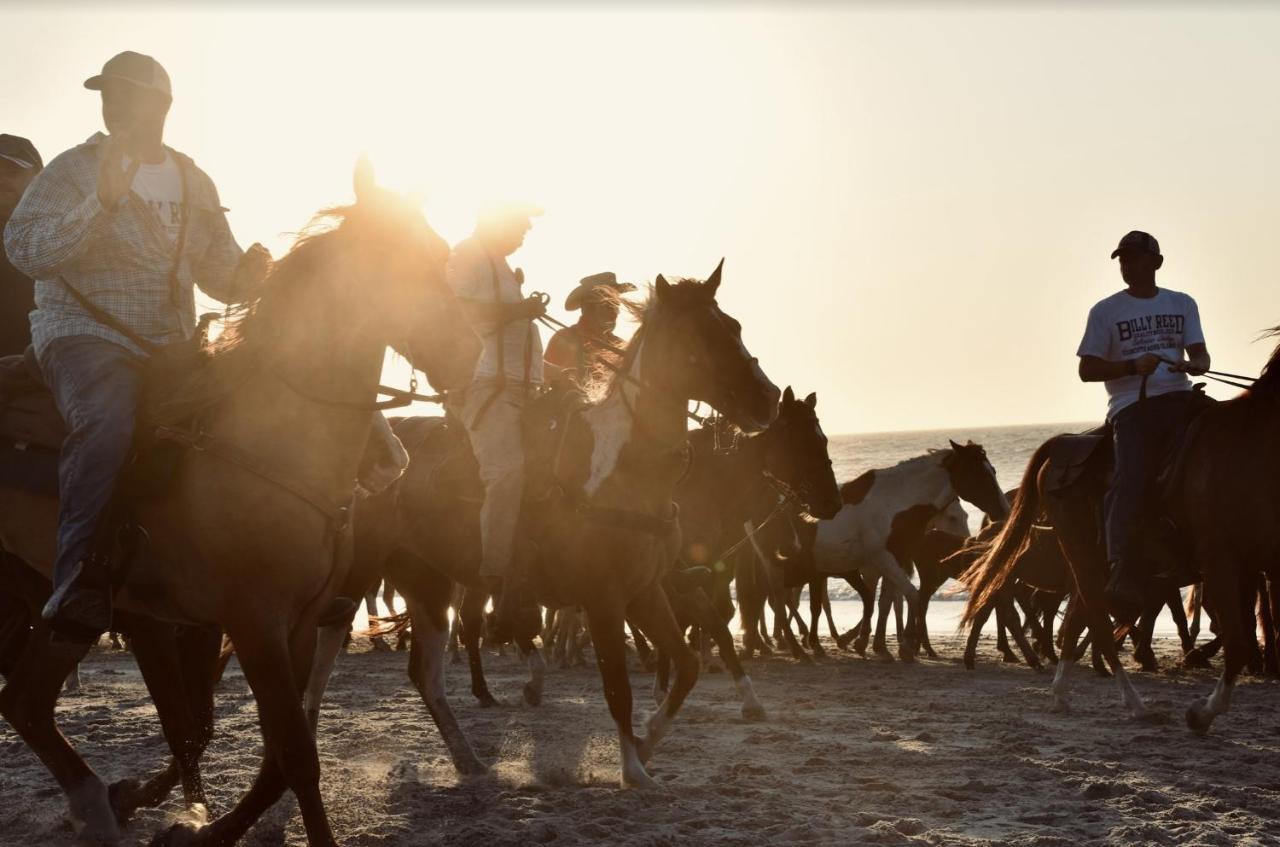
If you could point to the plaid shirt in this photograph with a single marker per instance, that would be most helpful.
(120, 259)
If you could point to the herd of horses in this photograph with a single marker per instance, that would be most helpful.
(632, 520)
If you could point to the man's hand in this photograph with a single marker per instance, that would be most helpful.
(254, 265)
(1146, 364)
(114, 181)
(528, 309)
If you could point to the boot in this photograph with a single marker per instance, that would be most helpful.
(1125, 591)
(515, 611)
(80, 608)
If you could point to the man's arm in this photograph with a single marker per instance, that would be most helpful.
(1197, 360)
(53, 223)
(1097, 369)
(225, 272)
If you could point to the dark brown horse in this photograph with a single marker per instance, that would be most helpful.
(757, 479)
(599, 513)
(250, 532)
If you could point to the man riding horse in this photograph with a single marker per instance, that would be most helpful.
(1134, 342)
(492, 407)
(584, 352)
(19, 164)
(116, 232)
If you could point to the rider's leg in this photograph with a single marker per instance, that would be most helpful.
(96, 385)
(494, 425)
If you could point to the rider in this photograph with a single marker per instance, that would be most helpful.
(1134, 342)
(121, 227)
(491, 407)
(19, 164)
(583, 352)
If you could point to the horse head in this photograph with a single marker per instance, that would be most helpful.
(700, 355)
(795, 453)
(974, 480)
(409, 304)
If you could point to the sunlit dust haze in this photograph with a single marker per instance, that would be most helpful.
(915, 207)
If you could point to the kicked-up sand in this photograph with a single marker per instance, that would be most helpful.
(854, 751)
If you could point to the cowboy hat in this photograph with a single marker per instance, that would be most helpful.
(587, 284)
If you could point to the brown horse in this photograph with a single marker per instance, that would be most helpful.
(599, 514)
(1227, 497)
(250, 533)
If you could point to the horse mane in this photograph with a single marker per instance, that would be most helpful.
(233, 356)
(1269, 381)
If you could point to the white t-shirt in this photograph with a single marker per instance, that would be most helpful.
(160, 187)
(474, 275)
(1124, 327)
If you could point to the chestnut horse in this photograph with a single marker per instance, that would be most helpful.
(250, 533)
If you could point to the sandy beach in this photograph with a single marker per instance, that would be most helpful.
(853, 752)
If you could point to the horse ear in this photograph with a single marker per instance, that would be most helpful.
(363, 179)
(788, 397)
(662, 287)
(812, 400)
(954, 446)
(713, 281)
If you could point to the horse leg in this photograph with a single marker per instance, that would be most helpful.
(537, 666)
(1019, 636)
(644, 653)
(1179, 615)
(895, 574)
(922, 629)
(716, 627)
(1002, 633)
(1266, 622)
(652, 613)
(1222, 587)
(878, 645)
(815, 614)
(430, 616)
(177, 666)
(27, 702)
(606, 622)
(328, 645)
(1072, 625)
(472, 618)
(276, 669)
(371, 609)
(975, 631)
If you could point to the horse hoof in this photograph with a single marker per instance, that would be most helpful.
(1198, 718)
(487, 700)
(969, 662)
(754, 713)
(178, 835)
(533, 694)
(456, 660)
(380, 646)
(882, 655)
(123, 796)
(471, 768)
(1061, 705)
(1196, 661)
(1009, 658)
(638, 778)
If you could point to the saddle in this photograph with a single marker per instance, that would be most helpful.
(1070, 456)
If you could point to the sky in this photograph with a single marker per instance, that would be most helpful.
(915, 205)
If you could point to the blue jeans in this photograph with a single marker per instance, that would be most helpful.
(1144, 433)
(96, 385)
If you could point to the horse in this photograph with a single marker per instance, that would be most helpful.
(756, 479)
(1222, 495)
(250, 535)
(598, 519)
(886, 512)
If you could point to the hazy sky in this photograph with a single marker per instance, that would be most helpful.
(916, 207)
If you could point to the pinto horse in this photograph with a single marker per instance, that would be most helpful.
(887, 511)
(250, 533)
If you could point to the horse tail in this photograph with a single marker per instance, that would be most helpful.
(389, 625)
(994, 568)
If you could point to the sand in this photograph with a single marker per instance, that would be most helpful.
(854, 752)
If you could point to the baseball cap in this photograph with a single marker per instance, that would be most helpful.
(1138, 240)
(20, 151)
(136, 68)
(500, 213)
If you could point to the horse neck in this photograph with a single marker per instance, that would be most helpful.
(640, 421)
(317, 352)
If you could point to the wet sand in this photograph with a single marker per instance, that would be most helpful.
(853, 752)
